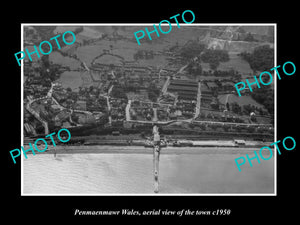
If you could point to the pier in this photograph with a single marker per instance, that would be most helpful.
(156, 153)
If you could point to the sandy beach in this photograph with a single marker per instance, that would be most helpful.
(108, 149)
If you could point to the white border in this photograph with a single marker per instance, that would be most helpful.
(151, 24)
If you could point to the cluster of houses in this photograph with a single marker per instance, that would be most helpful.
(117, 110)
(34, 84)
(141, 111)
(210, 89)
(186, 92)
(113, 85)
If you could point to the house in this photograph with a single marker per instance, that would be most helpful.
(62, 116)
(80, 105)
(212, 86)
(205, 90)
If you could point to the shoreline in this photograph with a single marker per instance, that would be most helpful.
(106, 149)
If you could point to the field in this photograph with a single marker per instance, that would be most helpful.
(58, 58)
(243, 100)
(72, 79)
(236, 63)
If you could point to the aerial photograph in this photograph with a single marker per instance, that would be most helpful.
(160, 118)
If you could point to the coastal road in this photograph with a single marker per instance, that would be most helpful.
(109, 149)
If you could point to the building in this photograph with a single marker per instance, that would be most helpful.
(81, 105)
(185, 89)
(205, 90)
(228, 86)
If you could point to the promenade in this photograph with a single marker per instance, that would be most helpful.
(108, 149)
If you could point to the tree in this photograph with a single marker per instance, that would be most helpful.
(264, 96)
(236, 108)
(227, 105)
(225, 128)
(265, 78)
(194, 68)
(202, 126)
(250, 129)
(249, 37)
(45, 60)
(262, 58)
(111, 66)
(241, 30)
(213, 126)
(214, 57)
(191, 50)
(153, 94)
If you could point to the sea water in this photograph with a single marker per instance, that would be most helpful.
(86, 173)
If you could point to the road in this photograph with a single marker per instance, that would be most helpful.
(236, 124)
(36, 114)
(155, 119)
(166, 84)
(226, 101)
(48, 96)
(198, 101)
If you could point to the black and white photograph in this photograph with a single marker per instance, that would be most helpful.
(128, 114)
(159, 116)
